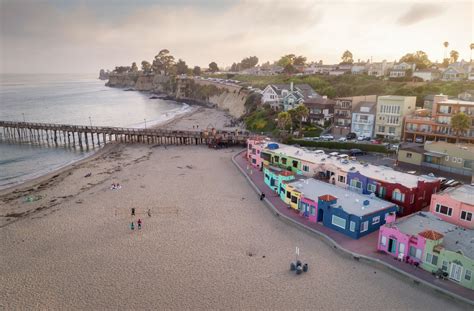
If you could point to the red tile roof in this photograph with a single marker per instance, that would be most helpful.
(327, 197)
(431, 235)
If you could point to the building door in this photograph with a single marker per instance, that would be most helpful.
(382, 192)
(456, 272)
(392, 246)
(320, 214)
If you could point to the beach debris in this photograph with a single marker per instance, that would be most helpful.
(33, 198)
(88, 175)
(190, 167)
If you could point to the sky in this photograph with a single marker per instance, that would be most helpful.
(83, 36)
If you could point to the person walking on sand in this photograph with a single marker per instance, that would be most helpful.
(132, 226)
(139, 224)
(133, 211)
(149, 212)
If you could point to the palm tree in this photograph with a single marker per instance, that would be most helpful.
(454, 56)
(471, 46)
(302, 112)
(460, 122)
(446, 44)
(284, 120)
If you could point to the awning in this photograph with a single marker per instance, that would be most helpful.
(435, 154)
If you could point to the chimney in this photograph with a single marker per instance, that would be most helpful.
(291, 86)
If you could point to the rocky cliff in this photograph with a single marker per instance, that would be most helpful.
(229, 97)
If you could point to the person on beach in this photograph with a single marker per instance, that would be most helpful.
(262, 196)
(132, 226)
(133, 211)
(149, 212)
(139, 223)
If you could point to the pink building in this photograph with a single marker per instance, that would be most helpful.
(254, 147)
(455, 205)
(405, 238)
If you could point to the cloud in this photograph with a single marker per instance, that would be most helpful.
(419, 12)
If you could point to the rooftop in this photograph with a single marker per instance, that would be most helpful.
(456, 102)
(350, 201)
(464, 193)
(381, 173)
(455, 238)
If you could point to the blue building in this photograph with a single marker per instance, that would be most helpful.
(351, 213)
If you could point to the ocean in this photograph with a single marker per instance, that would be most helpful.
(68, 99)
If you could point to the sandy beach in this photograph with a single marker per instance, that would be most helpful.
(210, 243)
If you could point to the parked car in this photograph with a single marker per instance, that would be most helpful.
(342, 139)
(419, 140)
(356, 152)
(376, 141)
(327, 137)
(351, 135)
(343, 156)
(318, 151)
(333, 154)
(363, 138)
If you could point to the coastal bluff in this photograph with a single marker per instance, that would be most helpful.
(230, 97)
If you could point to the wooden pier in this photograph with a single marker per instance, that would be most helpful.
(92, 136)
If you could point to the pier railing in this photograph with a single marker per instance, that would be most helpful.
(83, 136)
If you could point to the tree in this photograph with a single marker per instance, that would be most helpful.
(197, 71)
(460, 122)
(213, 67)
(248, 62)
(302, 112)
(163, 62)
(454, 55)
(284, 120)
(285, 60)
(471, 46)
(299, 61)
(122, 69)
(146, 66)
(445, 62)
(419, 58)
(446, 44)
(289, 69)
(347, 57)
(134, 67)
(181, 67)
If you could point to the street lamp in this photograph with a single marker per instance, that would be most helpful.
(145, 123)
(23, 117)
(90, 121)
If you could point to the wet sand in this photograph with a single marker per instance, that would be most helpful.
(192, 253)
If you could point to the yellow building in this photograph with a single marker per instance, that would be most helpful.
(391, 111)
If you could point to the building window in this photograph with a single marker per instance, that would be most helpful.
(371, 187)
(352, 226)
(431, 259)
(391, 130)
(356, 183)
(467, 216)
(467, 275)
(375, 220)
(418, 253)
(338, 221)
(398, 196)
(441, 209)
(283, 161)
(364, 226)
(446, 158)
(294, 199)
(381, 128)
(444, 267)
(409, 155)
(454, 159)
(412, 199)
(383, 240)
(412, 251)
(288, 195)
(295, 164)
(312, 210)
(341, 179)
(306, 168)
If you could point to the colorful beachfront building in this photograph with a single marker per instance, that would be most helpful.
(411, 193)
(274, 177)
(254, 147)
(348, 212)
(455, 205)
(425, 240)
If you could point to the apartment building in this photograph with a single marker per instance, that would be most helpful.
(435, 125)
(391, 111)
(363, 119)
(343, 112)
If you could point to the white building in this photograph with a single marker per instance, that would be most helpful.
(427, 74)
(363, 119)
(391, 111)
(400, 70)
(379, 69)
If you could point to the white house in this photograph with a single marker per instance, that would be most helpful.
(427, 74)
(358, 69)
(379, 69)
(363, 119)
(287, 96)
(400, 70)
